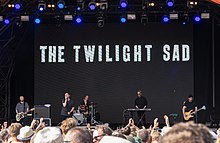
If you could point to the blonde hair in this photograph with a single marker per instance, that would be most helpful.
(67, 124)
(14, 129)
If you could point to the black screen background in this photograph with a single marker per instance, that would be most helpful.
(113, 85)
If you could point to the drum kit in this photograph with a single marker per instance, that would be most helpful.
(85, 115)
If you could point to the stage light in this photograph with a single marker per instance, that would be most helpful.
(6, 21)
(170, 3)
(205, 15)
(173, 16)
(166, 18)
(78, 20)
(144, 19)
(197, 18)
(17, 6)
(78, 8)
(151, 4)
(37, 20)
(92, 5)
(123, 3)
(60, 4)
(41, 6)
(25, 18)
(11, 5)
(51, 5)
(123, 19)
(68, 17)
(100, 21)
(191, 3)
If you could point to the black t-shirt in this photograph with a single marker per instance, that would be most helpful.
(189, 106)
(141, 102)
(69, 106)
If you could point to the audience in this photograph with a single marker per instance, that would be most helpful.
(188, 132)
(4, 135)
(78, 135)
(67, 124)
(25, 134)
(13, 130)
(49, 135)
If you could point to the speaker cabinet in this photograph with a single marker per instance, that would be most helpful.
(41, 111)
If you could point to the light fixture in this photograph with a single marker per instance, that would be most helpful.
(123, 3)
(92, 5)
(170, 3)
(61, 4)
(100, 21)
(41, 6)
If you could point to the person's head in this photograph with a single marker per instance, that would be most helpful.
(25, 134)
(139, 93)
(188, 133)
(190, 98)
(66, 95)
(21, 98)
(126, 131)
(155, 136)
(78, 135)
(5, 125)
(14, 129)
(49, 135)
(101, 131)
(4, 135)
(144, 135)
(86, 97)
(67, 124)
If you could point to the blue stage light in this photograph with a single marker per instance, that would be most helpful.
(37, 21)
(170, 3)
(78, 8)
(123, 3)
(78, 20)
(166, 18)
(123, 20)
(197, 18)
(60, 4)
(17, 6)
(6, 21)
(92, 5)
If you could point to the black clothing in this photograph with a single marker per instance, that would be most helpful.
(141, 102)
(190, 106)
(65, 110)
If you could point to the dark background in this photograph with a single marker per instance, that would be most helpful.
(113, 85)
(23, 75)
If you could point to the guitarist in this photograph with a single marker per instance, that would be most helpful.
(21, 108)
(187, 106)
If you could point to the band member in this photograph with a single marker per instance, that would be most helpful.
(141, 103)
(67, 107)
(188, 106)
(84, 105)
(21, 108)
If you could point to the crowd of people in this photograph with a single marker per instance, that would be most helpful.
(69, 132)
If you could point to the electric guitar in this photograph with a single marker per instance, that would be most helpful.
(190, 114)
(21, 115)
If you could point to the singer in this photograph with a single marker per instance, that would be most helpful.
(67, 107)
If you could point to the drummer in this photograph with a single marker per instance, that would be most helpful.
(84, 105)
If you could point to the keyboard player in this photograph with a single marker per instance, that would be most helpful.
(141, 103)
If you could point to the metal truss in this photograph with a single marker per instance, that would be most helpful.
(6, 67)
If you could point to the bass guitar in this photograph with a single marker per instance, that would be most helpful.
(190, 114)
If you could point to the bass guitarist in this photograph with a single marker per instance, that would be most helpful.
(21, 108)
(189, 107)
